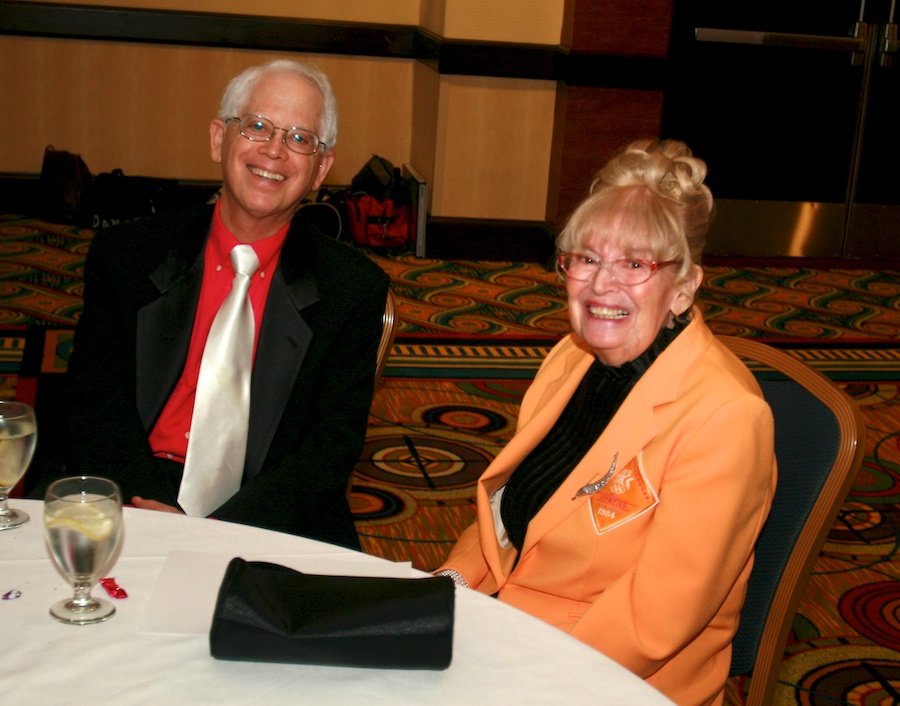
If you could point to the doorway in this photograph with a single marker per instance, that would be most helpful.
(795, 106)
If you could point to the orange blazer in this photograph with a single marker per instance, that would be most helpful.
(652, 568)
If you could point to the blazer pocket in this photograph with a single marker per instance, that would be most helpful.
(626, 496)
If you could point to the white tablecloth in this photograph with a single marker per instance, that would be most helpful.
(500, 655)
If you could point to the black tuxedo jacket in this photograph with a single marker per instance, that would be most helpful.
(312, 380)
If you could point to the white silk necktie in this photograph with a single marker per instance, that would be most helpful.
(217, 445)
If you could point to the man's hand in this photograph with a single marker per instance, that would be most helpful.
(153, 505)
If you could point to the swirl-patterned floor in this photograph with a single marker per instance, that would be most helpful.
(511, 300)
(471, 336)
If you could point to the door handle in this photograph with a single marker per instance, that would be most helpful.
(782, 39)
(890, 45)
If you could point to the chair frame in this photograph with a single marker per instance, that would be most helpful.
(388, 333)
(770, 652)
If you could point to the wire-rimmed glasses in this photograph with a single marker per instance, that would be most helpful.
(256, 128)
(627, 271)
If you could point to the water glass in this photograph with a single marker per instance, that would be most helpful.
(82, 527)
(18, 436)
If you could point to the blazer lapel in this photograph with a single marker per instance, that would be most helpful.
(164, 324)
(284, 338)
(542, 406)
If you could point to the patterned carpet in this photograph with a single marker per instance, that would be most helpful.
(471, 337)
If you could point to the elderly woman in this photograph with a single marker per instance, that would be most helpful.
(626, 507)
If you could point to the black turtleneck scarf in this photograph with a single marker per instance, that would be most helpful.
(598, 397)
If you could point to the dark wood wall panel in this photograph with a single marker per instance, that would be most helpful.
(598, 122)
(607, 104)
(622, 27)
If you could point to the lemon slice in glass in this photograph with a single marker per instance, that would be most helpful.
(84, 518)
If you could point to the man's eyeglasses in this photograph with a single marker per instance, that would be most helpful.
(256, 128)
(627, 271)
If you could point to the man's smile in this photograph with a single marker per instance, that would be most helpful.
(265, 174)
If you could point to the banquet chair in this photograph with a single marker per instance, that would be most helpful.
(819, 444)
(388, 332)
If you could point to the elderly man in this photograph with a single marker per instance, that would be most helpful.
(168, 398)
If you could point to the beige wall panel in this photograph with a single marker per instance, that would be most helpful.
(493, 150)
(146, 108)
(401, 12)
(431, 16)
(426, 99)
(520, 21)
(375, 104)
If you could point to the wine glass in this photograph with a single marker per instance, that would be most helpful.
(18, 435)
(83, 526)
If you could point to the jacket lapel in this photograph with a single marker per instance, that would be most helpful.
(164, 324)
(284, 338)
(541, 407)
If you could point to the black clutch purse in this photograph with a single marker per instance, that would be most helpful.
(270, 613)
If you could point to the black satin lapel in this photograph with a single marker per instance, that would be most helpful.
(164, 332)
(284, 338)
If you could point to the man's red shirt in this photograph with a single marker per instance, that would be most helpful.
(169, 437)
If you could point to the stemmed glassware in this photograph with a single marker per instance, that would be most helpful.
(83, 526)
(18, 436)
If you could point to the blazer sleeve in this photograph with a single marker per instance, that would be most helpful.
(467, 559)
(714, 500)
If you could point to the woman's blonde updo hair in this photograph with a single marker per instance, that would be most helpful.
(650, 194)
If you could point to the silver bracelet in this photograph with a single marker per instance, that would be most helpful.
(455, 575)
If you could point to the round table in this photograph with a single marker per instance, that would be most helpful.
(155, 649)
